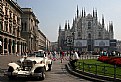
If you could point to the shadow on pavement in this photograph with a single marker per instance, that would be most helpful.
(18, 79)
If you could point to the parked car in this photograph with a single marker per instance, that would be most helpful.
(33, 65)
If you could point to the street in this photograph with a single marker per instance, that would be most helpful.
(58, 73)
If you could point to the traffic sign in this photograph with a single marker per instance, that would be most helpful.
(69, 40)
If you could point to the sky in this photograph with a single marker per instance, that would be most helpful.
(52, 13)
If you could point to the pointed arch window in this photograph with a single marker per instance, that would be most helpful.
(79, 34)
(89, 36)
(99, 34)
(89, 25)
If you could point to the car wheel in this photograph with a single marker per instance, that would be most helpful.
(12, 77)
(43, 76)
(42, 70)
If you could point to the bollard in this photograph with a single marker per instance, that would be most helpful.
(114, 72)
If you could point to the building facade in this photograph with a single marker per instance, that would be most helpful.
(41, 41)
(119, 46)
(54, 46)
(30, 29)
(87, 34)
(19, 31)
(10, 28)
(48, 45)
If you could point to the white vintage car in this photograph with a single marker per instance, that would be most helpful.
(32, 65)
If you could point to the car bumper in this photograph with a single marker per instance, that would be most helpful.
(23, 74)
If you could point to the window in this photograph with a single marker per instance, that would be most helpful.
(10, 28)
(25, 26)
(18, 32)
(14, 16)
(10, 14)
(6, 26)
(99, 34)
(14, 30)
(1, 26)
(79, 34)
(1, 23)
(22, 26)
(89, 36)
(6, 12)
(89, 25)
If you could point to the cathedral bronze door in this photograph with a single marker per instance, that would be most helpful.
(89, 48)
(90, 45)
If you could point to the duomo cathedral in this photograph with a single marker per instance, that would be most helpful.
(87, 33)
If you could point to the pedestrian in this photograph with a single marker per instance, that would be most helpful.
(61, 56)
(74, 59)
(54, 55)
(79, 53)
(48, 54)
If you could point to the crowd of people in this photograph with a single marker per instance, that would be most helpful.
(54, 55)
(62, 54)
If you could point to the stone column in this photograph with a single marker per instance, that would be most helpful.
(11, 48)
(25, 47)
(3, 46)
(15, 46)
(19, 47)
(7, 47)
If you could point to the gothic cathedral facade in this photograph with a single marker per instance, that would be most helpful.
(88, 34)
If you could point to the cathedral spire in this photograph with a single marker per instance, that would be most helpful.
(93, 13)
(111, 30)
(84, 13)
(107, 28)
(103, 21)
(111, 26)
(96, 14)
(77, 12)
(66, 25)
(59, 27)
(73, 21)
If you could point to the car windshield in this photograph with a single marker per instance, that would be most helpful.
(31, 55)
(39, 54)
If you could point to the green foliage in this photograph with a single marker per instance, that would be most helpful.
(97, 67)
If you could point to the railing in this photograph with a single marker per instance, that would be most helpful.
(98, 69)
(89, 56)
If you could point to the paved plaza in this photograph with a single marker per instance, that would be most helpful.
(58, 73)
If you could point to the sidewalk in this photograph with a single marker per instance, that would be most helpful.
(5, 59)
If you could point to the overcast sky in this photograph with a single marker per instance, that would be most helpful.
(52, 13)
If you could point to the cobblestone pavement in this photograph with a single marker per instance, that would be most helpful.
(58, 73)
